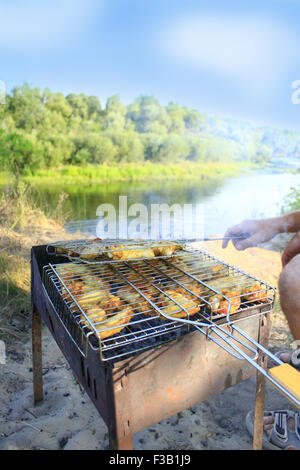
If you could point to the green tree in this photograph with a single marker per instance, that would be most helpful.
(18, 152)
(114, 115)
(27, 107)
(173, 149)
(146, 112)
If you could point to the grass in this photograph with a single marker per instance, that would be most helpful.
(133, 172)
(22, 225)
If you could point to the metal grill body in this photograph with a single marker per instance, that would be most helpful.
(139, 390)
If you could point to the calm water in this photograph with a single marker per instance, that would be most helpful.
(255, 195)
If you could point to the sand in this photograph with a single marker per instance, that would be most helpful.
(67, 419)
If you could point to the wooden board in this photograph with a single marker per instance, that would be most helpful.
(288, 377)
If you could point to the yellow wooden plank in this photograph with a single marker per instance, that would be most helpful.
(288, 377)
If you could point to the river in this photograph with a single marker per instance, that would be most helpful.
(257, 194)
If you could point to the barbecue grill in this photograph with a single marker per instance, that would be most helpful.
(156, 358)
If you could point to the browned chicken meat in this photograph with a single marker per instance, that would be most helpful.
(97, 248)
(134, 298)
(115, 322)
(107, 314)
(220, 306)
(177, 305)
(255, 293)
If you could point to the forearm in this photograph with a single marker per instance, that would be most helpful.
(288, 223)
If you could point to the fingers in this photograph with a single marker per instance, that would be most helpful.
(225, 243)
(227, 236)
(234, 231)
(248, 242)
(242, 244)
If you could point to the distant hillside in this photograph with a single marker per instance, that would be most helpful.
(42, 129)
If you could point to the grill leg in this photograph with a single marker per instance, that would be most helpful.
(117, 443)
(37, 355)
(259, 411)
(260, 395)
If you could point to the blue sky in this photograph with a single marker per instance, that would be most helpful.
(227, 58)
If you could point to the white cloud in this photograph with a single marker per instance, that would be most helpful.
(252, 52)
(42, 24)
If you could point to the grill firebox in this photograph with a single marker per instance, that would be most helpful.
(157, 365)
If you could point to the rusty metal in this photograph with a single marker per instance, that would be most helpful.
(37, 356)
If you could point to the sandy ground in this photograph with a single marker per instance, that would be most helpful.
(67, 419)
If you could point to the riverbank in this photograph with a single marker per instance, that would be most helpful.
(133, 172)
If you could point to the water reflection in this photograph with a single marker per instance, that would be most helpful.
(225, 203)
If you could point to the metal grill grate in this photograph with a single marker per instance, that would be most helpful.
(154, 300)
(98, 250)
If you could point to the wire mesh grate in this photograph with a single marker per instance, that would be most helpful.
(126, 307)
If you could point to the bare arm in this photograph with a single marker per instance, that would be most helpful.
(289, 223)
(262, 230)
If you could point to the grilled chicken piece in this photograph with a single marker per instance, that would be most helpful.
(172, 309)
(220, 305)
(95, 315)
(218, 271)
(81, 279)
(136, 301)
(229, 283)
(121, 252)
(191, 285)
(87, 297)
(99, 311)
(195, 286)
(75, 287)
(89, 253)
(204, 272)
(255, 293)
(111, 313)
(116, 252)
(185, 280)
(227, 286)
(167, 249)
(93, 249)
(119, 321)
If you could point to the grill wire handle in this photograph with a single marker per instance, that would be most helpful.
(224, 335)
(239, 353)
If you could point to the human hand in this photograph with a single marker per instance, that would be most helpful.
(252, 232)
